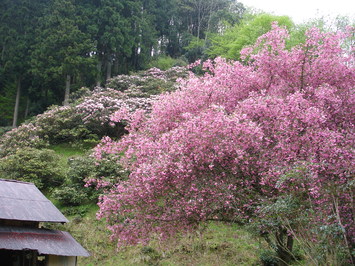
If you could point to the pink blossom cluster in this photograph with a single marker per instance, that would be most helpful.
(26, 135)
(171, 74)
(228, 141)
(145, 80)
(103, 103)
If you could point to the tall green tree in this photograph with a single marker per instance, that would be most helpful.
(146, 33)
(203, 18)
(18, 21)
(62, 51)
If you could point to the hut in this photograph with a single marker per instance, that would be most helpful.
(23, 209)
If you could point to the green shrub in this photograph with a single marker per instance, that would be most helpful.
(165, 62)
(61, 124)
(58, 124)
(82, 168)
(269, 258)
(3, 130)
(40, 167)
(70, 195)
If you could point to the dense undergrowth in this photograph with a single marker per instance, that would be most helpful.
(214, 244)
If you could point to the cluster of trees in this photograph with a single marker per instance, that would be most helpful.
(48, 48)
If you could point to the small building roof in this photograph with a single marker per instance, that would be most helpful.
(24, 202)
(45, 241)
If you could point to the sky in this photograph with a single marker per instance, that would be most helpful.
(303, 10)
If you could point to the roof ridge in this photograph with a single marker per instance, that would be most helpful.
(43, 200)
(15, 181)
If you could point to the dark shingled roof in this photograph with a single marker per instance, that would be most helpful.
(23, 201)
(49, 242)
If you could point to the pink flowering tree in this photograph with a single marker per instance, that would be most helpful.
(242, 141)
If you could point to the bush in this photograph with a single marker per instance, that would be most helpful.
(21, 137)
(84, 168)
(165, 62)
(61, 124)
(276, 129)
(81, 169)
(70, 195)
(96, 110)
(40, 167)
(3, 130)
(269, 258)
(150, 82)
(57, 125)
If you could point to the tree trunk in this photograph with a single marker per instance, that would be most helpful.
(109, 69)
(99, 72)
(67, 90)
(17, 103)
(3, 52)
(198, 20)
(212, 7)
(284, 244)
(27, 107)
(116, 68)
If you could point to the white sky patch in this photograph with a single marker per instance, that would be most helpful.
(304, 10)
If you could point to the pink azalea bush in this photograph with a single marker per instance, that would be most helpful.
(243, 137)
(103, 103)
(125, 93)
(56, 125)
(151, 81)
(16, 139)
(89, 116)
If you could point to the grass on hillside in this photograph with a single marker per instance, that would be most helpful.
(220, 244)
(65, 151)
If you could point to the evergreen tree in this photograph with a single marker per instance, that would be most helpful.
(17, 23)
(62, 50)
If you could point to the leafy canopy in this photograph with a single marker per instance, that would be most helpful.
(229, 44)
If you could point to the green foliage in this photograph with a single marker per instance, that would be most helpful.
(3, 130)
(61, 124)
(276, 218)
(62, 48)
(40, 167)
(195, 49)
(84, 168)
(269, 258)
(237, 37)
(7, 100)
(165, 62)
(57, 125)
(80, 169)
(70, 195)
